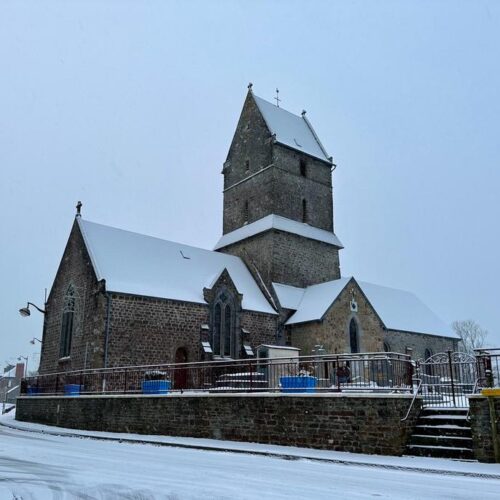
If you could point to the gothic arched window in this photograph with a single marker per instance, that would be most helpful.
(387, 347)
(223, 328)
(216, 329)
(353, 336)
(427, 354)
(68, 322)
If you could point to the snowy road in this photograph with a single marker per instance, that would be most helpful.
(38, 466)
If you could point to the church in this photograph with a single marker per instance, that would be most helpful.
(121, 298)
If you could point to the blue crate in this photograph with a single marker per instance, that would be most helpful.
(156, 386)
(298, 384)
(72, 389)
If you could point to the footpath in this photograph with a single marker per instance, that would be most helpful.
(447, 467)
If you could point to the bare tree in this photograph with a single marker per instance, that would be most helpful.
(471, 333)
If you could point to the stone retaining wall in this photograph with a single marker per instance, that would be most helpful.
(482, 435)
(361, 424)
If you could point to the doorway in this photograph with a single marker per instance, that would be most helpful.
(180, 373)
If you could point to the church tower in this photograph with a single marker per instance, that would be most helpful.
(278, 205)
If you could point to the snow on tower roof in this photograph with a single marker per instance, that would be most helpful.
(398, 309)
(273, 221)
(291, 130)
(137, 264)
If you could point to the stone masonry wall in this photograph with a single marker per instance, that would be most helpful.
(287, 258)
(87, 346)
(359, 424)
(418, 342)
(482, 436)
(333, 331)
(149, 331)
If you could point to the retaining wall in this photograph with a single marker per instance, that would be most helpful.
(482, 431)
(362, 424)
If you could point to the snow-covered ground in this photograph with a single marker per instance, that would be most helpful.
(42, 466)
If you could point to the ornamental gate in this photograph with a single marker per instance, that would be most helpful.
(447, 378)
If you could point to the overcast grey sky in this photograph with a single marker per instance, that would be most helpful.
(131, 106)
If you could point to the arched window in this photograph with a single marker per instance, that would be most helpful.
(223, 338)
(304, 211)
(228, 330)
(68, 322)
(353, 335)
(427, 354)
(216, 329)
(387, 347)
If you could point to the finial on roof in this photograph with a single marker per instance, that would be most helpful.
(277, 98)
(249, 87)
(78, 209)
(303, 112)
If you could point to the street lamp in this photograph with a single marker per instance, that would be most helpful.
(32, 341)
(25, 311)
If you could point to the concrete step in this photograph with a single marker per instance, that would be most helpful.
(442, 430)
(441, 452)
(446, 419)
(446, 441)
(443, 411)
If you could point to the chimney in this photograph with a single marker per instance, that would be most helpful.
(19, 370)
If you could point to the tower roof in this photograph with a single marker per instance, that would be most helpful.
(291, 130)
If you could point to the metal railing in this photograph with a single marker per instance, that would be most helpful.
(488, 367)
(364, 372)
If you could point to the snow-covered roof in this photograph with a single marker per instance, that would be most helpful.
(291, 130)
(398, 309)
(316, 301)
(143, 265)
(281, 223)
(289, 296)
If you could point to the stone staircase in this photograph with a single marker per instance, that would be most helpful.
(442, 432)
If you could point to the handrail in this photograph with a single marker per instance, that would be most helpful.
(413, 400)
(476, 383)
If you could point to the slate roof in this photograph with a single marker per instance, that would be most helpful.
(137, 264)
(291, 130)
(273, 221)
(398, 309)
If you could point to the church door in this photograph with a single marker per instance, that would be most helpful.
(180, 374)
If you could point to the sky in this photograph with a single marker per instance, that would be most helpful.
(130, 107)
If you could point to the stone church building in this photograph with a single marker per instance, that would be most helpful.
(121, 298)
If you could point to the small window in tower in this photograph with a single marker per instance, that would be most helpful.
(247, 166)
(303, 168)
(245, 212)
(304, 211)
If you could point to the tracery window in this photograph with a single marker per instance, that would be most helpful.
(223, 339)
(68, 322)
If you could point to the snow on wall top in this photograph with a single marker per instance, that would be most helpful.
(143, 265)
(291, 130)
(289, 296)
(281, 223)
(398, 309)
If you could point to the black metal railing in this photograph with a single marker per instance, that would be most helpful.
(364, 372)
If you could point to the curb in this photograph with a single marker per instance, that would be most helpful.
(271, 454)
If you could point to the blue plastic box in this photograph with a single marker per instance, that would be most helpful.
(156, 386)
(298, 384)
(72, 389)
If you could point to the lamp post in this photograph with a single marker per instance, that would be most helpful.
(25, 311)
